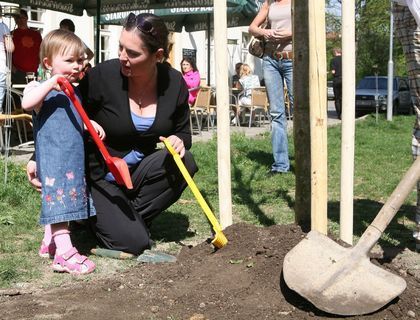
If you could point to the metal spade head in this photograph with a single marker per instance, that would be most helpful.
(338, 280)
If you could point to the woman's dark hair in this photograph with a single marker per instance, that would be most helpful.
(151, 29)
(191, 62)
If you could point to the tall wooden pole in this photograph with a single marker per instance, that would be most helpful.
(223, 121)
(347, 115)
(310, 85)
(301, 122)
(318, 115)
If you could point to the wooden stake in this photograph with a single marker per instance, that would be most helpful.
(223, 121)
(347, 116)
(318, 115)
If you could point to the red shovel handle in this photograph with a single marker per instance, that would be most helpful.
(118, 167)
(69, 91)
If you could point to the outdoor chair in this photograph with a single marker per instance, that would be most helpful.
(259, 104)
(18, 118)
(200, 108)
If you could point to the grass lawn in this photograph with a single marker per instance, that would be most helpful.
(383, 154)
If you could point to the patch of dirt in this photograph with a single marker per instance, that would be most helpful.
(240, 281)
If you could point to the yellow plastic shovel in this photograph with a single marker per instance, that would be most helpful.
(220, 239)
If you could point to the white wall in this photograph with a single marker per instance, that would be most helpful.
(195, 40)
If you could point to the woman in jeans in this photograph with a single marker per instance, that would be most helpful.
(277, 69)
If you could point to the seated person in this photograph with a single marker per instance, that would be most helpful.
(236, 76)
(191, 77)
(247, 82)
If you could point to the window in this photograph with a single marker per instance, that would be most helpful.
(35, 18)
(246, 37)
(104, 43)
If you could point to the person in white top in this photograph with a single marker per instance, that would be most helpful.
(247, 82)
(6, 46)
(407, 30)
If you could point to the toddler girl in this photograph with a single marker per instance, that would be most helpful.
(58, 135)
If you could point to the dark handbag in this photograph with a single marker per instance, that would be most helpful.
(257, 44)
(256, 47)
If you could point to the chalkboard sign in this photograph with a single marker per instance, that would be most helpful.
(190, 53)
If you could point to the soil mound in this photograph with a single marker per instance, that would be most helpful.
(241, 281)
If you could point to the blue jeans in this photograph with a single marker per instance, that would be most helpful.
(275, 73)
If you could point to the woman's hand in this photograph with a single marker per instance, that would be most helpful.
(276, 34)
(270, 34)
(99, 130)
(32, 175)
(176, 143)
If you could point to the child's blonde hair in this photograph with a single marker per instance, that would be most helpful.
(245, 70)
(60, 42)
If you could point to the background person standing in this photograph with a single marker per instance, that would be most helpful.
(337, 80)
(277, 69)
(67, 24)
(6, 46)
(26, 55)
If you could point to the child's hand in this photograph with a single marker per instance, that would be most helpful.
(54, 82)
(99, 130)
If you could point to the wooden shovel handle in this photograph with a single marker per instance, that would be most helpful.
(390, 208)
(69, 91)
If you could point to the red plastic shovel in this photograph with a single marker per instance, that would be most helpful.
(117, 166)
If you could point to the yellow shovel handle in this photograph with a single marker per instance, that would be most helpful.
(193, 187)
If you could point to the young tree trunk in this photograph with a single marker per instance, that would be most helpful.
(310, 114)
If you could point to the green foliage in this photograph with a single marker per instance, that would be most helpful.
(372, 37)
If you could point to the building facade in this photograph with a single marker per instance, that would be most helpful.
(194, 44)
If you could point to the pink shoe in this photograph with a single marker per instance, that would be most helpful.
(47, 251)
(72, 262)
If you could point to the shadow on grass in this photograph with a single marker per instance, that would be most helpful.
(265, 159)
(171, 227)
(366, 210)
(243, 191)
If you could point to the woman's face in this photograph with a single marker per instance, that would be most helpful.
(134, 57)
(186, 66)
